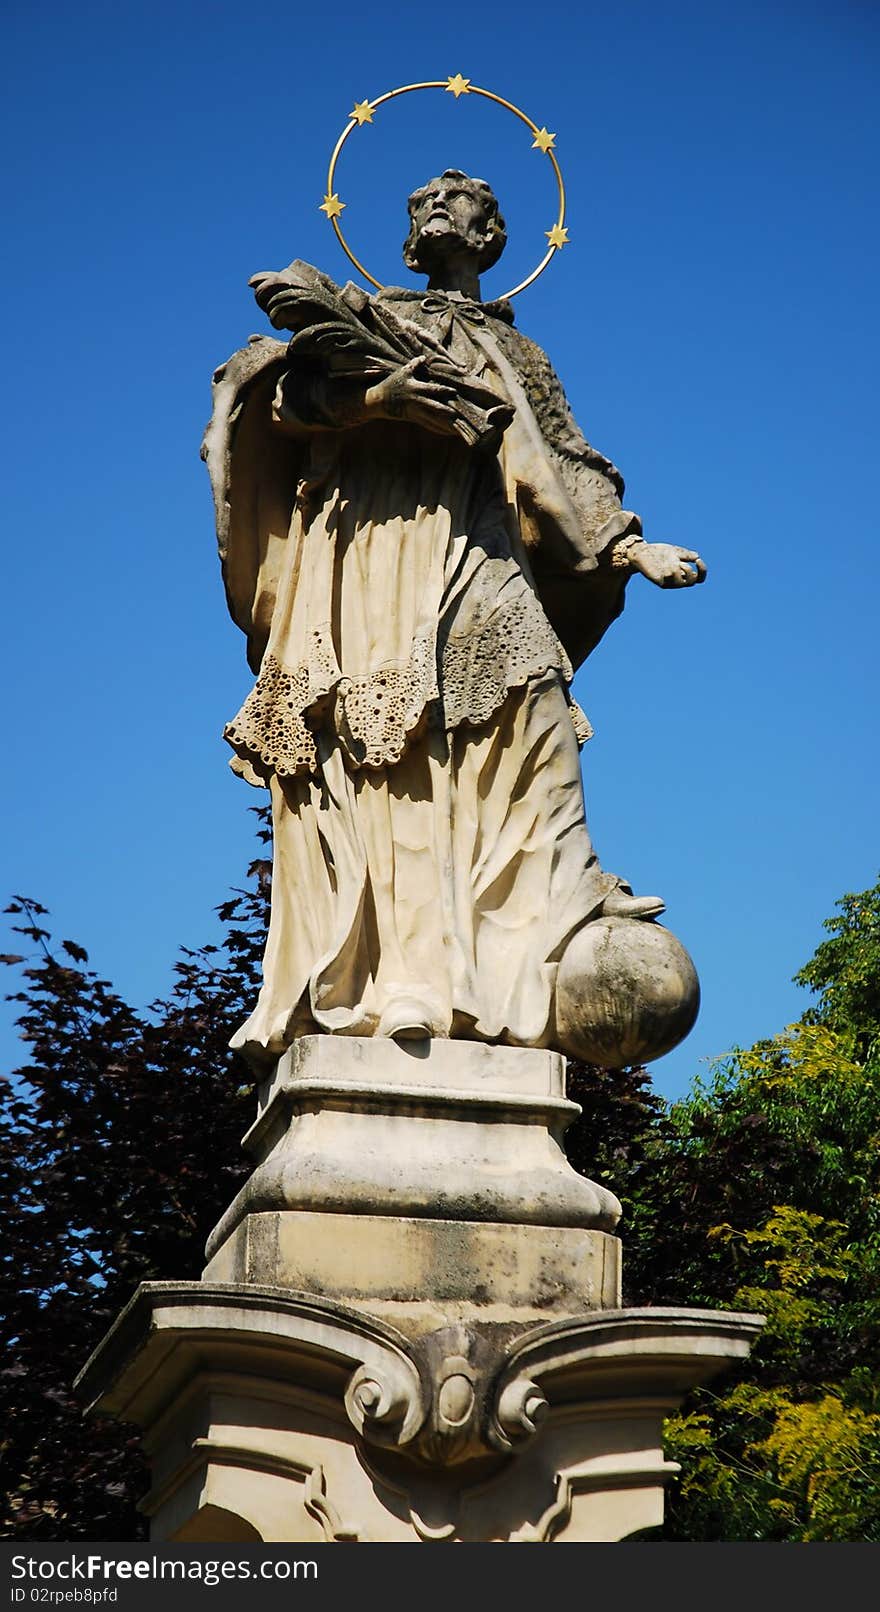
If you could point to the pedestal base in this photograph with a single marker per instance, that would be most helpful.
(419, 1273)
(434, 1130)
(273, 1416)
(409, 1325)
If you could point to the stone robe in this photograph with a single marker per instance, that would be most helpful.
(414, 608)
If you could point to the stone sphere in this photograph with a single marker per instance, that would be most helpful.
(626, 992)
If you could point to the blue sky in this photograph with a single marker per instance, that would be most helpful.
(714, 321)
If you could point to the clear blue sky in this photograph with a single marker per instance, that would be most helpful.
(715, 323)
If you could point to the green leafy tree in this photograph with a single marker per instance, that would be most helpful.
(764, 1192)
(845, 971)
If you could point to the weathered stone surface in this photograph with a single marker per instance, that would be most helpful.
(440, 1130)
(274, 1416)
(625, 993)
(421, 546)
(417, 1272)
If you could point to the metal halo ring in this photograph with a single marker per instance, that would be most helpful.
(457, 86)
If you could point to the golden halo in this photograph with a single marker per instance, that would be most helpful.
(457, 86)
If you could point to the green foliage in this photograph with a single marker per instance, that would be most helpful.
(119, 1149)
(794, 1120)
(827, 1455)
(776, 1164)
(760, 1465)
(845, 970)
(761, 1191)
(804, 1254)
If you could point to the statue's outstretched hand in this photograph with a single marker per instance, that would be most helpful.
(667, 565)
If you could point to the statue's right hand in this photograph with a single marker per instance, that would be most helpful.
(402, 396)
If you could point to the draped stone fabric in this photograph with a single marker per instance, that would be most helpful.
(413, 608)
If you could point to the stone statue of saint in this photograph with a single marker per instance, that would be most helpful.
(421, 548)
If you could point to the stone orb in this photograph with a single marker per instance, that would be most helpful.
(626, 992)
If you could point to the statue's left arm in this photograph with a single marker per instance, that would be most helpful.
(582, 584)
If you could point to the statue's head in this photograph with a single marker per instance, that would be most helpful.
(452, 215)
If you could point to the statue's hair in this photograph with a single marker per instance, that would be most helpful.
(495, 239)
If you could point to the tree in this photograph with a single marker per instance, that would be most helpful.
(763, 1192)
(119, 1146)
(845, 971)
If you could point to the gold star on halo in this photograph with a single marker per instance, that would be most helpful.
(557, 236)
(363, 112)
(543, 141)
(332, 206)
(458, 85)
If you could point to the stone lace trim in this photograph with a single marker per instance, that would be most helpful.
(583, 727)
(373, 716)
(516, 643)
(270, 729)
(376, 714)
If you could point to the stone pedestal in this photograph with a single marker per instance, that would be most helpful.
(425, 1181)
(269, 1415)
(409, 1325)
(446, 1130)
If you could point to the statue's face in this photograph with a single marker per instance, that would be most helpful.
(450, 215)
